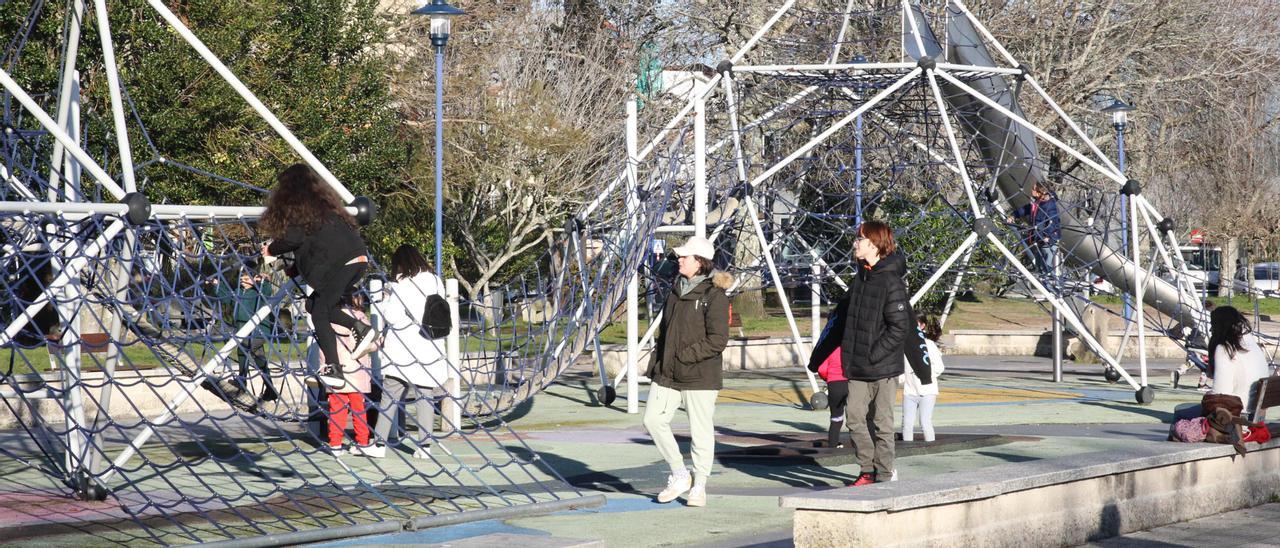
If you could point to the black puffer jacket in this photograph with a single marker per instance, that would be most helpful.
(688, 352)
(874, 320)
(321, 252)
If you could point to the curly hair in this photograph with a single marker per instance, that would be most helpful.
(302, 199)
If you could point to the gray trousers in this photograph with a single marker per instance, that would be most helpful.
(395, 392)
(872, 443)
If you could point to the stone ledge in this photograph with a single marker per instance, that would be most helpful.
(989, 482)
(1066, 501)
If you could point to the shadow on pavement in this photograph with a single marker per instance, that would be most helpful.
(1162, 416)
(578, 474)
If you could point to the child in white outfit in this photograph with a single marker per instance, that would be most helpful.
(919, 398)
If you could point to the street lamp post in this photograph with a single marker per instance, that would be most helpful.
(441, 14)
(1119, 111)
(857, 152)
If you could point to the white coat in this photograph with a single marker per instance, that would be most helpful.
(405, 353)
(911, 383)
(1236, 375)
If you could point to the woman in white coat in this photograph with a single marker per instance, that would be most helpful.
(413, 366)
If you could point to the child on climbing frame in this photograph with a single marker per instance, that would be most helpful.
(305, 216)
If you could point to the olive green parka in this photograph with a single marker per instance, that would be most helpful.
(695, 329)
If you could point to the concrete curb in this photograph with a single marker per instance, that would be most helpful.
(1055, 502)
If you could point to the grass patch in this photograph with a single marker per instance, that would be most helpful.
(137, 356)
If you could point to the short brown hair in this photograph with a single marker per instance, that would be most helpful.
(880, 234)
(705, 266)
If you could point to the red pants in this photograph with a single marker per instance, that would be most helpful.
(339, 404)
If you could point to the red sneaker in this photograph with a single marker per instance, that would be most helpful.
(865, 479)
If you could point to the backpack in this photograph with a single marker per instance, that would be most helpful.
(436, 320)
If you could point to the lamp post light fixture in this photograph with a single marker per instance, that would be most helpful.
(441, 14)
(1119, 111)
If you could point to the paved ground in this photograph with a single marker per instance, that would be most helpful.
(1010, 397)
(1250, 527)
(1009, 404)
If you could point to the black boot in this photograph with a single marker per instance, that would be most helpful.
(833, 434)
(331, 376)
(365, 336)
(268, 391)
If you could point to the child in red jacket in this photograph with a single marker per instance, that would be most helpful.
(832, 372)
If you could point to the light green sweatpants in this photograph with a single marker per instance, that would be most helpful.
(700, 405)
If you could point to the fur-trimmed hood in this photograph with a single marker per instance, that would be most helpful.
(722, 279)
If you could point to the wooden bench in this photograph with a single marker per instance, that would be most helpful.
(1264, 393)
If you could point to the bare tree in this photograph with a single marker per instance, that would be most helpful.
(534, 121)
(1197, 72)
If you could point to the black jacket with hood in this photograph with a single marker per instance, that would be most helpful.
(875, 325)
(323, 251)
(688, 351)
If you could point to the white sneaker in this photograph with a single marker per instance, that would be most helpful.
(371, 451)
(677, 484)
(336, 451)
(698, 494)
(423, 453)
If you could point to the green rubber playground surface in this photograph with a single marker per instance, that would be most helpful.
(1020, 415)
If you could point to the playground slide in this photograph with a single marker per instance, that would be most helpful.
(1012, 146)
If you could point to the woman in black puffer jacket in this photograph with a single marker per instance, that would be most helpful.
(875, 320)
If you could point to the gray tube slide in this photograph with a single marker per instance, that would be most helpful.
(1009, 149)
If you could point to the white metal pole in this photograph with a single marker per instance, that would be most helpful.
(55, 130)
(849, 118)
(964, 248)
(68, 271)
(844, 28)
(18, 186)
(955, 147)
(65, 92)
(731, 101)
(119, 282)
(907, 15)
(1141, 281)
(113, 89)
(1067, 314)
(1034, 129)
(72, 191)
(815, 305)
(453, 345)
(252, 99)
(700, 168)
(633, 344)
(68, 356)
(768, 25)
(767, 253)
(815, 69)
(633, 285)
(955, 287)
